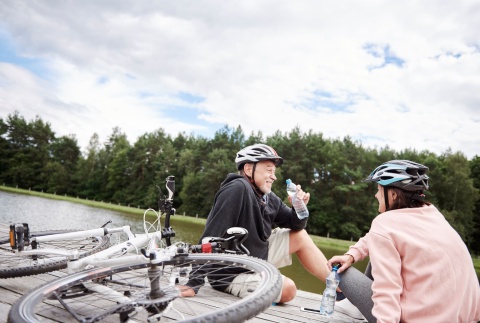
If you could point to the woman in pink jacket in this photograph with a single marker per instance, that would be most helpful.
(420, 269)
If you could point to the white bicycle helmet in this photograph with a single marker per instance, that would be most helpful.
(404, 174)
(256, 153)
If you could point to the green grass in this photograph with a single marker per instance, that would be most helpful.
(476, 264)
(321, 242)
(336, 244)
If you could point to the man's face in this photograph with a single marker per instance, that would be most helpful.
(264, 175)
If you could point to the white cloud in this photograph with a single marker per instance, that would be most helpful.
(262, 64)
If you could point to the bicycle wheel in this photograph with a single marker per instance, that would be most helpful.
(123, 293)
(12, 265)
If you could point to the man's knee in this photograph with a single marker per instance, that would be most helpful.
(300, 235)
(299, 239)
(289, 290)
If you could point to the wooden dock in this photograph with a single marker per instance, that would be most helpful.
(13, 288)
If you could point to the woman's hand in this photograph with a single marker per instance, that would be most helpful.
(345, 262)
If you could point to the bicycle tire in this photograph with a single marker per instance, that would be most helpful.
(12, 265)
(207, 306)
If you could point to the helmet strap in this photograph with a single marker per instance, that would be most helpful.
(253, 174)
(252, 181)
(385, 196)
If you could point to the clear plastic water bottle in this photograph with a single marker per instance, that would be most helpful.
(298, 204)
(330, 293)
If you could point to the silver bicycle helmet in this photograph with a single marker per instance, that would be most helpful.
(404, 174)
(256, 153)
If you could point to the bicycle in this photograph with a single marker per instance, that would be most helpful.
(25, 253)
(142, 286)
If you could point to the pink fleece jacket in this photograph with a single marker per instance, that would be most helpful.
(422, 269)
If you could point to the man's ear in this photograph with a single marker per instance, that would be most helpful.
(247, 168)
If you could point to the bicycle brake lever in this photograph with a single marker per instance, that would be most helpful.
(108, 222)
(170, 186)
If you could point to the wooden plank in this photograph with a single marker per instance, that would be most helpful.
(4, 308)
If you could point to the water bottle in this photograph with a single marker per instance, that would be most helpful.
(330, 293)
(298, 204)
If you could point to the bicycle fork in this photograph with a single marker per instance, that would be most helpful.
(19, 236)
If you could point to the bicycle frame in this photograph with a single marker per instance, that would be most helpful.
(101, 259)
(146, 243)
(153, 254)
(71, 254)
(152, 272)
(149, 241)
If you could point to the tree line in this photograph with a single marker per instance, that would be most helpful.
(332, 170)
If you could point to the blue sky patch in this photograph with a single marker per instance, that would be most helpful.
(102, 80)
(384, 52)
(320, 99)
(191, 116)
(8, 54)
(326, 100)
(190, 98)
(185, 114)
(449, 54)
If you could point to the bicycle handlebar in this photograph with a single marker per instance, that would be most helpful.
(170, 186)
(231, 245)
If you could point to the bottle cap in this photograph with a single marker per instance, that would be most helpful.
(288, 181)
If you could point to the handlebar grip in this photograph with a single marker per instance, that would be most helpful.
(170, 186)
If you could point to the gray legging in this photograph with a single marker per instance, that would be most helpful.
(357, 287)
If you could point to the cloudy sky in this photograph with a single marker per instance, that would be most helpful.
(400, 73)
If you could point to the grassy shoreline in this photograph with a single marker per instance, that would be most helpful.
(340, 245)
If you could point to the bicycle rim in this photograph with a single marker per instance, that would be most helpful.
(12, 265)
(123, 293)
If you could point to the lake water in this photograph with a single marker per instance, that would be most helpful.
(44, 214)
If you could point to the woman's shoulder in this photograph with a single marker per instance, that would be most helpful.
(405, 215)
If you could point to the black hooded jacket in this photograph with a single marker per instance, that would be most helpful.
(237, 204)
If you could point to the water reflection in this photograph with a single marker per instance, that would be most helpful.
(45, 214)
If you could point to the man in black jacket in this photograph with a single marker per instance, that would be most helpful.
(246, 200)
